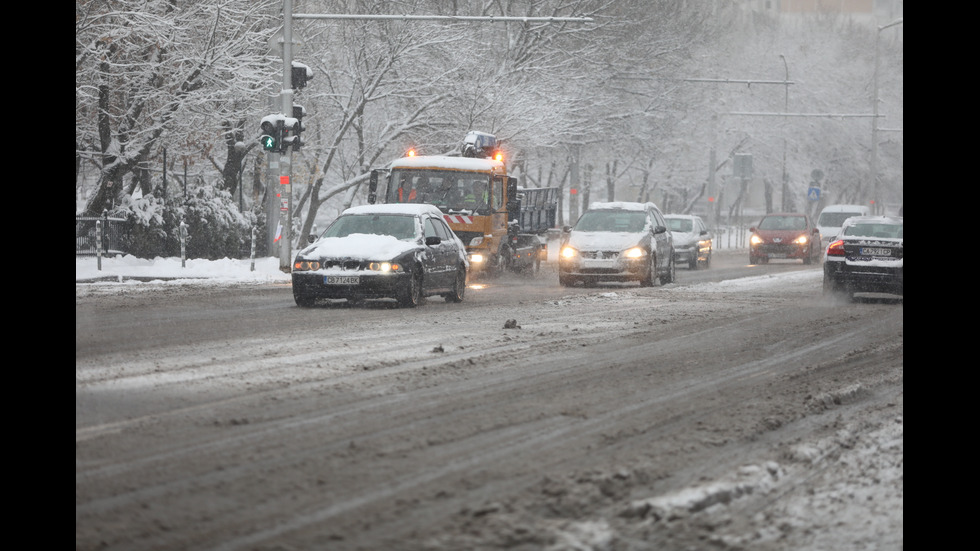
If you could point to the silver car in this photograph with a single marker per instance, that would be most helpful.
(692, 240)
(616, 242)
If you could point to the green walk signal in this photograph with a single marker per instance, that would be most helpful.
(271, 136)
(268, 142)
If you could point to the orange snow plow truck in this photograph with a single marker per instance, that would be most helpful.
(503, 226)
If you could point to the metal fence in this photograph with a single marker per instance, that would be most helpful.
(88, 229)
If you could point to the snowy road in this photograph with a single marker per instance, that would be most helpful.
(750, 413)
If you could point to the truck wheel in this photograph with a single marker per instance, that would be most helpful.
(502, 261)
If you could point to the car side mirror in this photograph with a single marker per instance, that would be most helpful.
(432, 240)
(704, 232)
(816, 231)
(311, 238)
(752, 229)
(566, 229)
(659, 229)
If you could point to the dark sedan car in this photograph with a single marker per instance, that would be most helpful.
(785, 235)
(867, 257)
(405, 252)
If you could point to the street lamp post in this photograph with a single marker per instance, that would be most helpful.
(785, 190)
(874, 121)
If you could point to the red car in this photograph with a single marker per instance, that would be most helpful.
(785, 235)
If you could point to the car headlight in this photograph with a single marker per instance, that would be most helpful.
(801, 240)
(634, 252)
(477, 257)
(384, 267)
(476, 241)
(568, 252)
(755, 240)
(301, 265)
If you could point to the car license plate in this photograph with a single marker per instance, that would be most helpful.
(777, 255)
(341, 280)
(872, 251)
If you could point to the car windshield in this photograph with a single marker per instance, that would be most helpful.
(871, 229)
(612, 220)
(783, 223)
(835, 219)
(682, 225)
(399, 226)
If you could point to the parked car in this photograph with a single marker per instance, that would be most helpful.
(832, 217)
(400, 251)
(692, 240)
(785, 235)
(617, 241)
(867, 256)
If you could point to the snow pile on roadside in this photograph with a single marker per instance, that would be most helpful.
(226, 270)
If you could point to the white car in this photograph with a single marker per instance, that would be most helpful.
(832, 218)
(616, 242)
(692, 240)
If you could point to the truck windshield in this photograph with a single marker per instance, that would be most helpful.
(448, 190)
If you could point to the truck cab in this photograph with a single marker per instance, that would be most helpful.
(500, 224)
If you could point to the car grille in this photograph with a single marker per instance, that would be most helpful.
(344, 264)
(600, 255)
(778, 248)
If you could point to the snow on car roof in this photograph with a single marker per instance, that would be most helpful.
(845, 208)
(878, 219)
(619, 205)
(684, 216)
(412, 209)
(445, 162)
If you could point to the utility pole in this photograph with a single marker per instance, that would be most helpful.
(876, 188)
(785, 189)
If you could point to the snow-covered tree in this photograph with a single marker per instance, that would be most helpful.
(151, 74)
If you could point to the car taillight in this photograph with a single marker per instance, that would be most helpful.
(836, 248)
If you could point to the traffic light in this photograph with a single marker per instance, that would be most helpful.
(271, 137)
(298, 112)
(288, 134)
(300, 75)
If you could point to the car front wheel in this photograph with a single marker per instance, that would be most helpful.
(648, 280)
(671, 274)
(411, 295)
(459, 286)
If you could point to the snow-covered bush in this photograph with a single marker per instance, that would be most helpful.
(215, 227)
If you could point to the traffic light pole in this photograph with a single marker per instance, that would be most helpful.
(285, 159)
